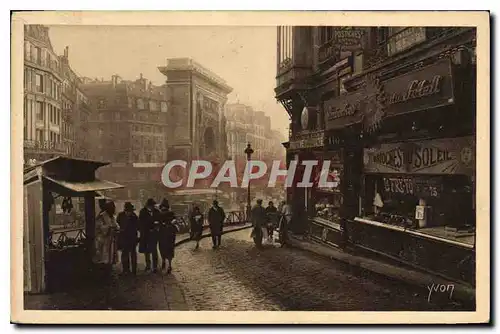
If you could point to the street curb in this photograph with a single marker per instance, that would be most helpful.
(419, 279)
(206, 235)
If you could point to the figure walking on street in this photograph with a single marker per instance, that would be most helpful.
(168, 232)
(127, 239)
(272, 217)
(216, 216)
(105, 235)
(286, 218)
(259, 220)
(149, 229)
(196, 220)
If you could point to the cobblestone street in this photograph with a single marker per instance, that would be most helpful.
(240, 277)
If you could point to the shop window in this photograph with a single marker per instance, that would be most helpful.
(401, 200)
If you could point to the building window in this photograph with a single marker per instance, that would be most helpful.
(101, 104)
(130, 102)
(285, 47)
(163, 106)
(140, 104)
(153, 106)
(117, 115)
(39, 135)
(39, 83)
(39, 111)
(148, 157)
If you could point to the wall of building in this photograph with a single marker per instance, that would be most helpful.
(42, 96)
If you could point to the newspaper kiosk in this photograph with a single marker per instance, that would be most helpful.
(50, 264)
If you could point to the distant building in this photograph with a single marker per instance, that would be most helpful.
(56, 111)
(129, 129)
(76, 112)
(43, 137)
(196, 118)
(244, 125)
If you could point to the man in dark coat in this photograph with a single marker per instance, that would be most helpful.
(127, 239)
(216, 216)
(167, 234)
(149, 228)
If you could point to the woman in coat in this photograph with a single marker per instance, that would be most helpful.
(105, 238)
(196, 220)
(167, 234)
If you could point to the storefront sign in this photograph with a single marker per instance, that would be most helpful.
(441, 156)
(342, 110)
(422, 187)
(425, 88)
(309, 140)
(348, 39)
(405, 39)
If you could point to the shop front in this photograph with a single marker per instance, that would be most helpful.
(307, 145)
(331, 206)
(418, 172)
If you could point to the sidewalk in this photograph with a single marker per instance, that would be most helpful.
(146, 291)
(422, 280)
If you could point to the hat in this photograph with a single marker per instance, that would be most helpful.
(128, 207)
(215, 202)
(150, 202)
(259, 201)
(164, 203)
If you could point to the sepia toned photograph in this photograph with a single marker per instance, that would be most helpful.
(288, 164)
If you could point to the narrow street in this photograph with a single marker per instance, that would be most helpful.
(240, 277)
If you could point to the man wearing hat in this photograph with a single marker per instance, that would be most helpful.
(148, 226)
(127, 239)
(216, 216)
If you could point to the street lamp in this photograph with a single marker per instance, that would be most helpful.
(249, 152)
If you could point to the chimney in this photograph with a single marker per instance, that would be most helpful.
(66, 52)
(141, 76)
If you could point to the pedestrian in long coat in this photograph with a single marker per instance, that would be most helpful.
(167, 234)
(259, 219)
(105, 235)
(127, 239)
(196, 220)
(149, 222)
(216, 216)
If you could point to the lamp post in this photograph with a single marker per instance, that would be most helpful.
(249, 152)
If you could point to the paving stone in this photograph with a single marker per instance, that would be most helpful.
(238, 276)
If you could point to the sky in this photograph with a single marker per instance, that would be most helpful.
(243, 56)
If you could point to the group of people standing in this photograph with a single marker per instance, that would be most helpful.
(153, 229)
(265, 220)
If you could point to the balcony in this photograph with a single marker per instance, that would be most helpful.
(404, 41)
(45, 64)
(291, 76)
(327, 53)
(37, 146)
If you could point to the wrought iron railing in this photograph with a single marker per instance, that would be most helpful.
(38, 145)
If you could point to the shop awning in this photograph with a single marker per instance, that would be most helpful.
(81, 187)
(195, 192)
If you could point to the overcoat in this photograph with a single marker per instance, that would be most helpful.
(149, 229)
(216, 216)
